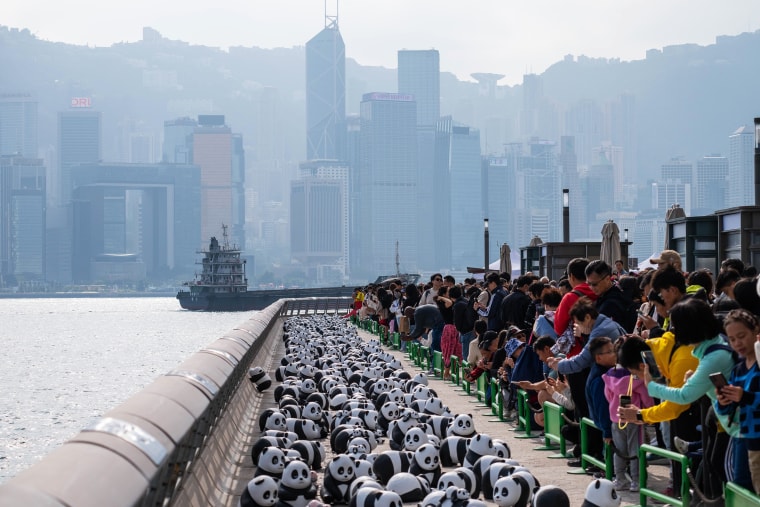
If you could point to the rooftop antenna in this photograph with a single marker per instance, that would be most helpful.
(331, 20)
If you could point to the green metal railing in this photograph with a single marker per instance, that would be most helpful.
(645, 492)
(554, 420)
(588, 459)
(524, 415)
(736, 496)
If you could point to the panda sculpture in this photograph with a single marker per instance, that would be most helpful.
(304, 428)
(371, 497)
(260, 378)
(271, 462)
(260, 492)
(414, 438)
(502, 449)
(453, 450)
(462, 426)
(462, 478)
(268, 441)
(271, 419)
(480, 445)
(389, 463)
(550, 496)
(495, 472)
(339, 475)
(601, 493)
(426, 463)
(409, 487)
(512, 492)
(311, 452)
(296, 486)
(363, 482)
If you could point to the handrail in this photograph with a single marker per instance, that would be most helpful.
(645, 492)
(160, 446)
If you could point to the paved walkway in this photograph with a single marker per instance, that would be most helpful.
(547, 470)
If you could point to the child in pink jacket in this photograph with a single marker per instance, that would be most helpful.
(627, 438)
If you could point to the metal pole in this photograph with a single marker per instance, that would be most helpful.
(566, 215)
(485, 246)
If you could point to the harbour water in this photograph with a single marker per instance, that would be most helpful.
(65, 362)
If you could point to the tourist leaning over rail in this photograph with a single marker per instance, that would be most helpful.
(743, 391)
(694, 324)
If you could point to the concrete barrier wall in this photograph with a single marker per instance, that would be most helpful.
(175, 442)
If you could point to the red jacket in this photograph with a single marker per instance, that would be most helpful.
(562, 316)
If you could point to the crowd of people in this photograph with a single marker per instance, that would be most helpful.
(658, 356)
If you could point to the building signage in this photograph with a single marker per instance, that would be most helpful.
(81, 102)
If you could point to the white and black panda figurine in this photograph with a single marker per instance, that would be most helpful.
(414, 438)
(371, 497)
(271, 462)
(389, 463)
(495, 472)
(339, 475)
(260, 378)
(480, 445)
(511, 492)
(502, 449)
(601, 493)
(550, 496)
(453, 450)
(296, 486)
(462, 478)
(271, 419)
(312, 452)
(426, 463)
(260, 492)
(408, 487)
(462, 426)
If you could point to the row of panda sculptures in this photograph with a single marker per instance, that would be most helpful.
(334, 385)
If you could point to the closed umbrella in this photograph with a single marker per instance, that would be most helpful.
(610, 248)
(505, 259)
(675, 211)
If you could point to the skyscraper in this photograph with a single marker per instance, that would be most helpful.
(711, 180)
(741, 157)
(79, 142)
(387, 186)
(18, 125)
(326, 94)
(457, 242)
(419, 74)
(319, 220)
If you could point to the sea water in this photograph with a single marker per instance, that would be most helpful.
(65, 362)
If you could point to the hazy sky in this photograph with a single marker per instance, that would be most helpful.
(507, 37)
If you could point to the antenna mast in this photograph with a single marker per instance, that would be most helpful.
(331, 20)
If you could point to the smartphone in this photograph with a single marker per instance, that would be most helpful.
(641, 313)
(718, 380)
(648, 358)
(625, 400)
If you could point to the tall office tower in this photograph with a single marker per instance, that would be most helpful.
(612, 155)
(667, 193)
(79, 142)
(599, 183)
(710, 185)
(621, 131)
(18, 125)
(387, 186)
(213, 153)
(499, 183)
(741, 174)
(326, 93)
(675, 171)
(648, 234)
(585, 122)
(319, 220)
(456, 215)
(538, 194)
(419, 74)
(532, 99)
(22, 229)
(571, 180)
(177, 140)
(237, 227)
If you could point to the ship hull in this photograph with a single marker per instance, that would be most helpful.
(239, 302)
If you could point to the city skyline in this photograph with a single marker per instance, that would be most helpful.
(492, 37)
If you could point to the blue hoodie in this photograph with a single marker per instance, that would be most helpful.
(603, 326)
(598, 406)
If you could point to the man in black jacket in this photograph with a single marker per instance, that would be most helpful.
(464, 318)
(515, 306)
(611, 300)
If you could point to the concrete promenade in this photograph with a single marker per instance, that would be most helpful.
(547, 470)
